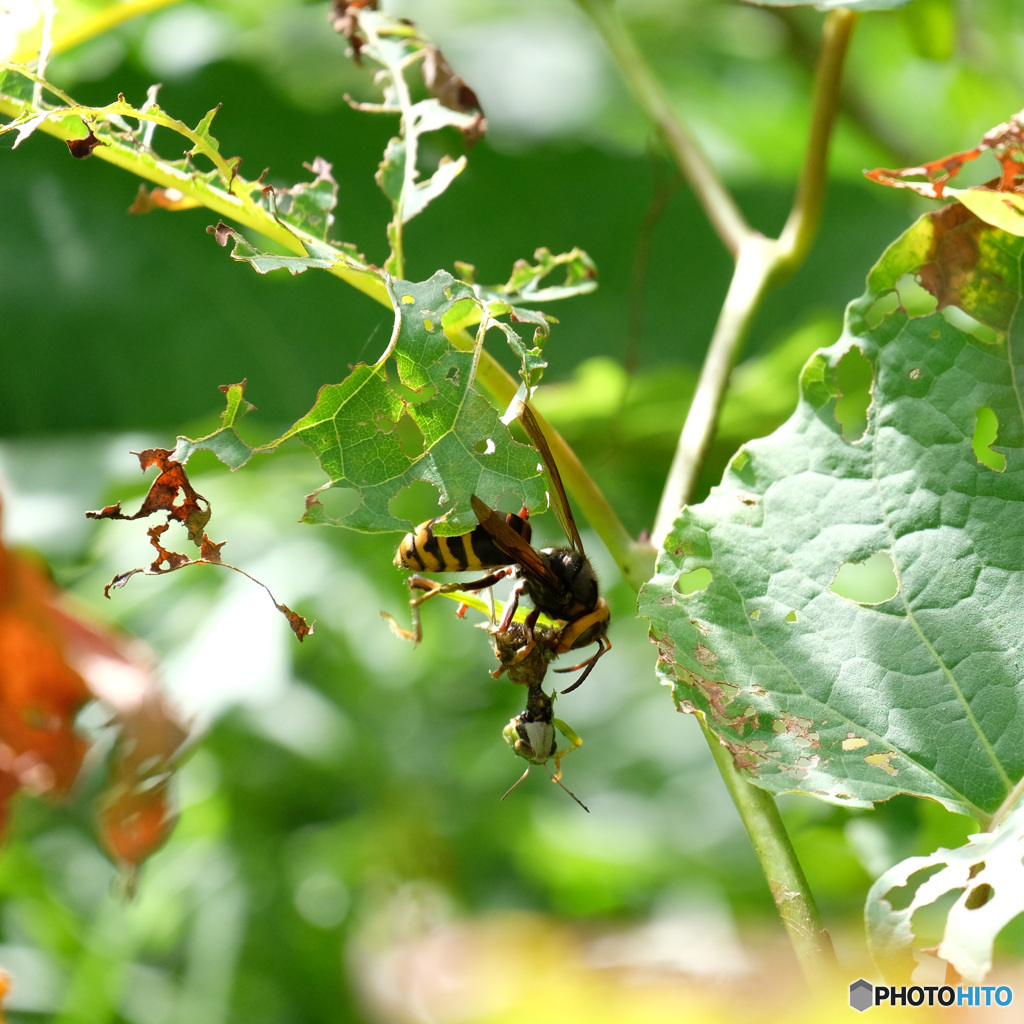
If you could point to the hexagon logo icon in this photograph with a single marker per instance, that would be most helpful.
(862, 996)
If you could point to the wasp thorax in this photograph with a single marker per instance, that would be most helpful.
(578, 594)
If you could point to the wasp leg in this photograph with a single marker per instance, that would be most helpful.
(511, 606)
(604, 645)
(431, 589)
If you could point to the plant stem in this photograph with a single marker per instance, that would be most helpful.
(754, 267)
(805, 216)
(759, 262)
(786, 880)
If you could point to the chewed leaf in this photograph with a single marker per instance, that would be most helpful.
(529, 283)
(408, 178)
(988, 877)
(855, 689)
(264, 262)
(309, 206)
(172, 493)
(362, 430)
(226, 443)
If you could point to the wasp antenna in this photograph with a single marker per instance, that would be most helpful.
(554, 778)
(520, 779)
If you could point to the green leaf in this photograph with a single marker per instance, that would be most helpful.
(990, 876)
(397, 47)
(423, 192)
(526, 284)
(853, 700)
(309, 206)
(225, 443)
(319, 257)
(386, 425)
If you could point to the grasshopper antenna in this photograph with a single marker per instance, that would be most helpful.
(520, 779)
(555, 778)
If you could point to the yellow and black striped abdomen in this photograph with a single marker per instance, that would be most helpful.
(424, 551)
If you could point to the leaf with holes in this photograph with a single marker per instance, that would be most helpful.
(844, 610)
(419, 418)
(988, 878)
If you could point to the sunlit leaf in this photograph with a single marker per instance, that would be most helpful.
(458, 441)
(988, 876)
(856, 701)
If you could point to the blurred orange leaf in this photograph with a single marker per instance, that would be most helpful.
(51, 663)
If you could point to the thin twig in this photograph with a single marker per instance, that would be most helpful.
(805, 217)
(719, 206)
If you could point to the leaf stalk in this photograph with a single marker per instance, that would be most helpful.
(786, 879)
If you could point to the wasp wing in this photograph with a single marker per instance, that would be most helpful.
(513, 545)
(559, 500)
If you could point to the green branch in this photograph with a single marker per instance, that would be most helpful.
(786, 879)
(231, 197)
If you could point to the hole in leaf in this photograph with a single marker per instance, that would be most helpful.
(410, 437)
(452, 376)
(484, 447)
(756, 614)
(428, 325)
(976, 869)
(915, 299)
(915, 373)
(979, 896)
(407, 300)
(739, 461)
(416, 502)
(689, 583)
(901, 896)
(448, 292)
(986, 428)
(855, 379)
(339, 501)
(873, 581)
(965, 322)
(413, 397)
(883, 760)
(791, 617)
(881, 308)
(929, 921)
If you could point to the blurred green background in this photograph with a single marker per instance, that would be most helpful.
(342, 854)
